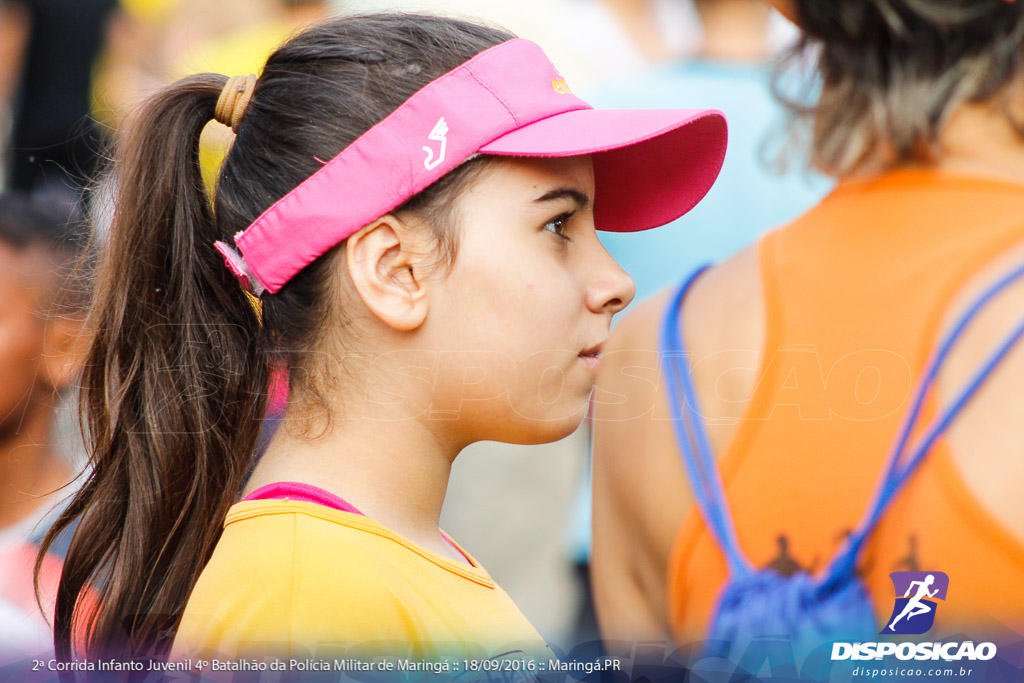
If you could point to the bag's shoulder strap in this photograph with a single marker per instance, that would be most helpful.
(698, 458)
(692, 438)
(904, 459)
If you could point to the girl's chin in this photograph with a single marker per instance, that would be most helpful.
(546, 430)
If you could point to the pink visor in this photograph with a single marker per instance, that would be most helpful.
(651, 166)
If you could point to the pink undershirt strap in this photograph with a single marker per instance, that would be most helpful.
(307, 493)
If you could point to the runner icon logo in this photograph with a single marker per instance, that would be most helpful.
(916, 595)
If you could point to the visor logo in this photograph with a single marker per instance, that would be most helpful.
(916, 594)
(438, 134)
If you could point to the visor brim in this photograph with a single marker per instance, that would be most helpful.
(651, 166)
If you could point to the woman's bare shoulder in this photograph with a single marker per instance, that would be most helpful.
(724, 303)
(723, 324)
(986, 438)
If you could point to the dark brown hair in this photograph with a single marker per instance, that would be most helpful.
(175, 383)
(894, 71)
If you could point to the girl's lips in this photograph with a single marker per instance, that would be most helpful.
(592, 356)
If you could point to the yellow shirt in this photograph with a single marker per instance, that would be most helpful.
(292, 578)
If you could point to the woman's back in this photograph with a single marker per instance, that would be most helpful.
(805, 350)
(855, 296)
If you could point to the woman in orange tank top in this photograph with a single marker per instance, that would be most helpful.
(807, 347)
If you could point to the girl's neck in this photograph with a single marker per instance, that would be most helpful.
(395, 472)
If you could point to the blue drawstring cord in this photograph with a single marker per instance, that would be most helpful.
(699, 462)
(895, 477)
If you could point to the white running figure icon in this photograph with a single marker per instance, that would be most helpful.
(439, 133)
(915, 606)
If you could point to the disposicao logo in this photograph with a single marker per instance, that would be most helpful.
(914, 614)
(916, 595)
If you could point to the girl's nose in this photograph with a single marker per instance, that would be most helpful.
(610, 288)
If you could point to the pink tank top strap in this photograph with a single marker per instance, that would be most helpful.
(307, 493)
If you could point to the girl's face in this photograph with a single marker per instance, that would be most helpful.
(21, 339)
(529, 301)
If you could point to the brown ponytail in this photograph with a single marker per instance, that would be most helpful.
(176, 357)
(177, 373)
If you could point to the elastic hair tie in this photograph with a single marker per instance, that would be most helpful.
(233, 100)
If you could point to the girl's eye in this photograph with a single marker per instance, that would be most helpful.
(558, 225)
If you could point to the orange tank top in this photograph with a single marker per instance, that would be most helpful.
(855, 294)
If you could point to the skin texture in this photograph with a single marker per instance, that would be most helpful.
(37, 357)
(723, 326)
(432, 360)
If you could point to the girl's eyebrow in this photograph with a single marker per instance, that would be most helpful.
(580, 198)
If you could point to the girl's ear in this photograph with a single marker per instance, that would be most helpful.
(387, 263)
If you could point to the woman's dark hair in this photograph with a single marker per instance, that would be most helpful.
(894, 71)
(27, 222)
(175, 383)
(51, 227)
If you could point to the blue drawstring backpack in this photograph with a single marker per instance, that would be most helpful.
(810, 611)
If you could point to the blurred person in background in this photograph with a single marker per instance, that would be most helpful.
(135, 61)
(716, 53)
(235, 36)
(155, 42)
(50, 47)
(622, 39)
(730, 71)
(805, 348)
(41, 316)
(13, 34)
(541, 21)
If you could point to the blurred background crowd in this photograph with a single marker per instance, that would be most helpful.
(72, 70)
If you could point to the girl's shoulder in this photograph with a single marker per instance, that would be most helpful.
(288, 542)
(290, 576)
(285, 575)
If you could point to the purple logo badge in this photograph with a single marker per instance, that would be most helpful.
(916, 595)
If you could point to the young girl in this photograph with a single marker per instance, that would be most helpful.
(413, 201)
